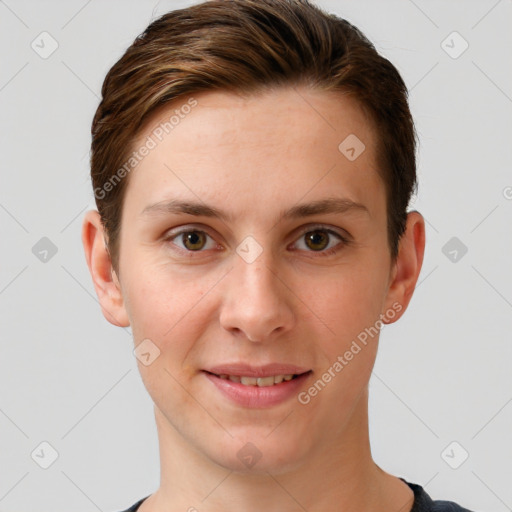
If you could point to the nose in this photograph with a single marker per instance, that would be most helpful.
(258, 301)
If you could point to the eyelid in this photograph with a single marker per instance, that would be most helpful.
(325, 227)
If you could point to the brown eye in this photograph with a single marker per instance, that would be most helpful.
(193, 240)
(320, 240)
(317, 240)
(187, 241)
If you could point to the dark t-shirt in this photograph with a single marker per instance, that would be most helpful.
(422, 502)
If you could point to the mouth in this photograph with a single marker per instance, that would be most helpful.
(261, 387)
(262, 382)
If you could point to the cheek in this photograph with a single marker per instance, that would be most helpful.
(350, 306)
(166, 306)
(158, 307)
(166, 312)
(348, 301)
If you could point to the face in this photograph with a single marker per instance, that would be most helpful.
(275, 285)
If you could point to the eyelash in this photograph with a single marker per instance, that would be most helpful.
(307, 229)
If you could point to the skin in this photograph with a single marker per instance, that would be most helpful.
(292, 304)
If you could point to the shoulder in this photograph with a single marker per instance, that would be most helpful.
(135, 506)
(424, 503)
(447, 506)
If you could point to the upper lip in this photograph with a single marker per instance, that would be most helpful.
(246, 370)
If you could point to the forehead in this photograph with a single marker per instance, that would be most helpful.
(295, 139)
(306, 113)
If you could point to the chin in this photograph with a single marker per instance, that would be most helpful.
(259, 453)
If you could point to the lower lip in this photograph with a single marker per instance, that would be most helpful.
(256, 396)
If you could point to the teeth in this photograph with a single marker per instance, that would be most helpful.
(257, 381)
(248, 381)
(265, 381)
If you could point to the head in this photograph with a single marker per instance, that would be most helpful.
(253, 108)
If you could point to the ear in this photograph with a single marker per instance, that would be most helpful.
(406, 269)
(105, 281)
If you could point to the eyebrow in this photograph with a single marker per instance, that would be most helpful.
(330, 205)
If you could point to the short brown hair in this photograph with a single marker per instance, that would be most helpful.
(248, 46)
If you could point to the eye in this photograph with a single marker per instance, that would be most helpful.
(317, 239)
(193, 240)
(320, 239)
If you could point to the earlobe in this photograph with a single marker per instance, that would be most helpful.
(408, 265)
(105, 281)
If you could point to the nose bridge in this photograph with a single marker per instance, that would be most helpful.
(259, 278)
(256, 301)
(259, 282)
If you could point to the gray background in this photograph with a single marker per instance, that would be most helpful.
(69, 378)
